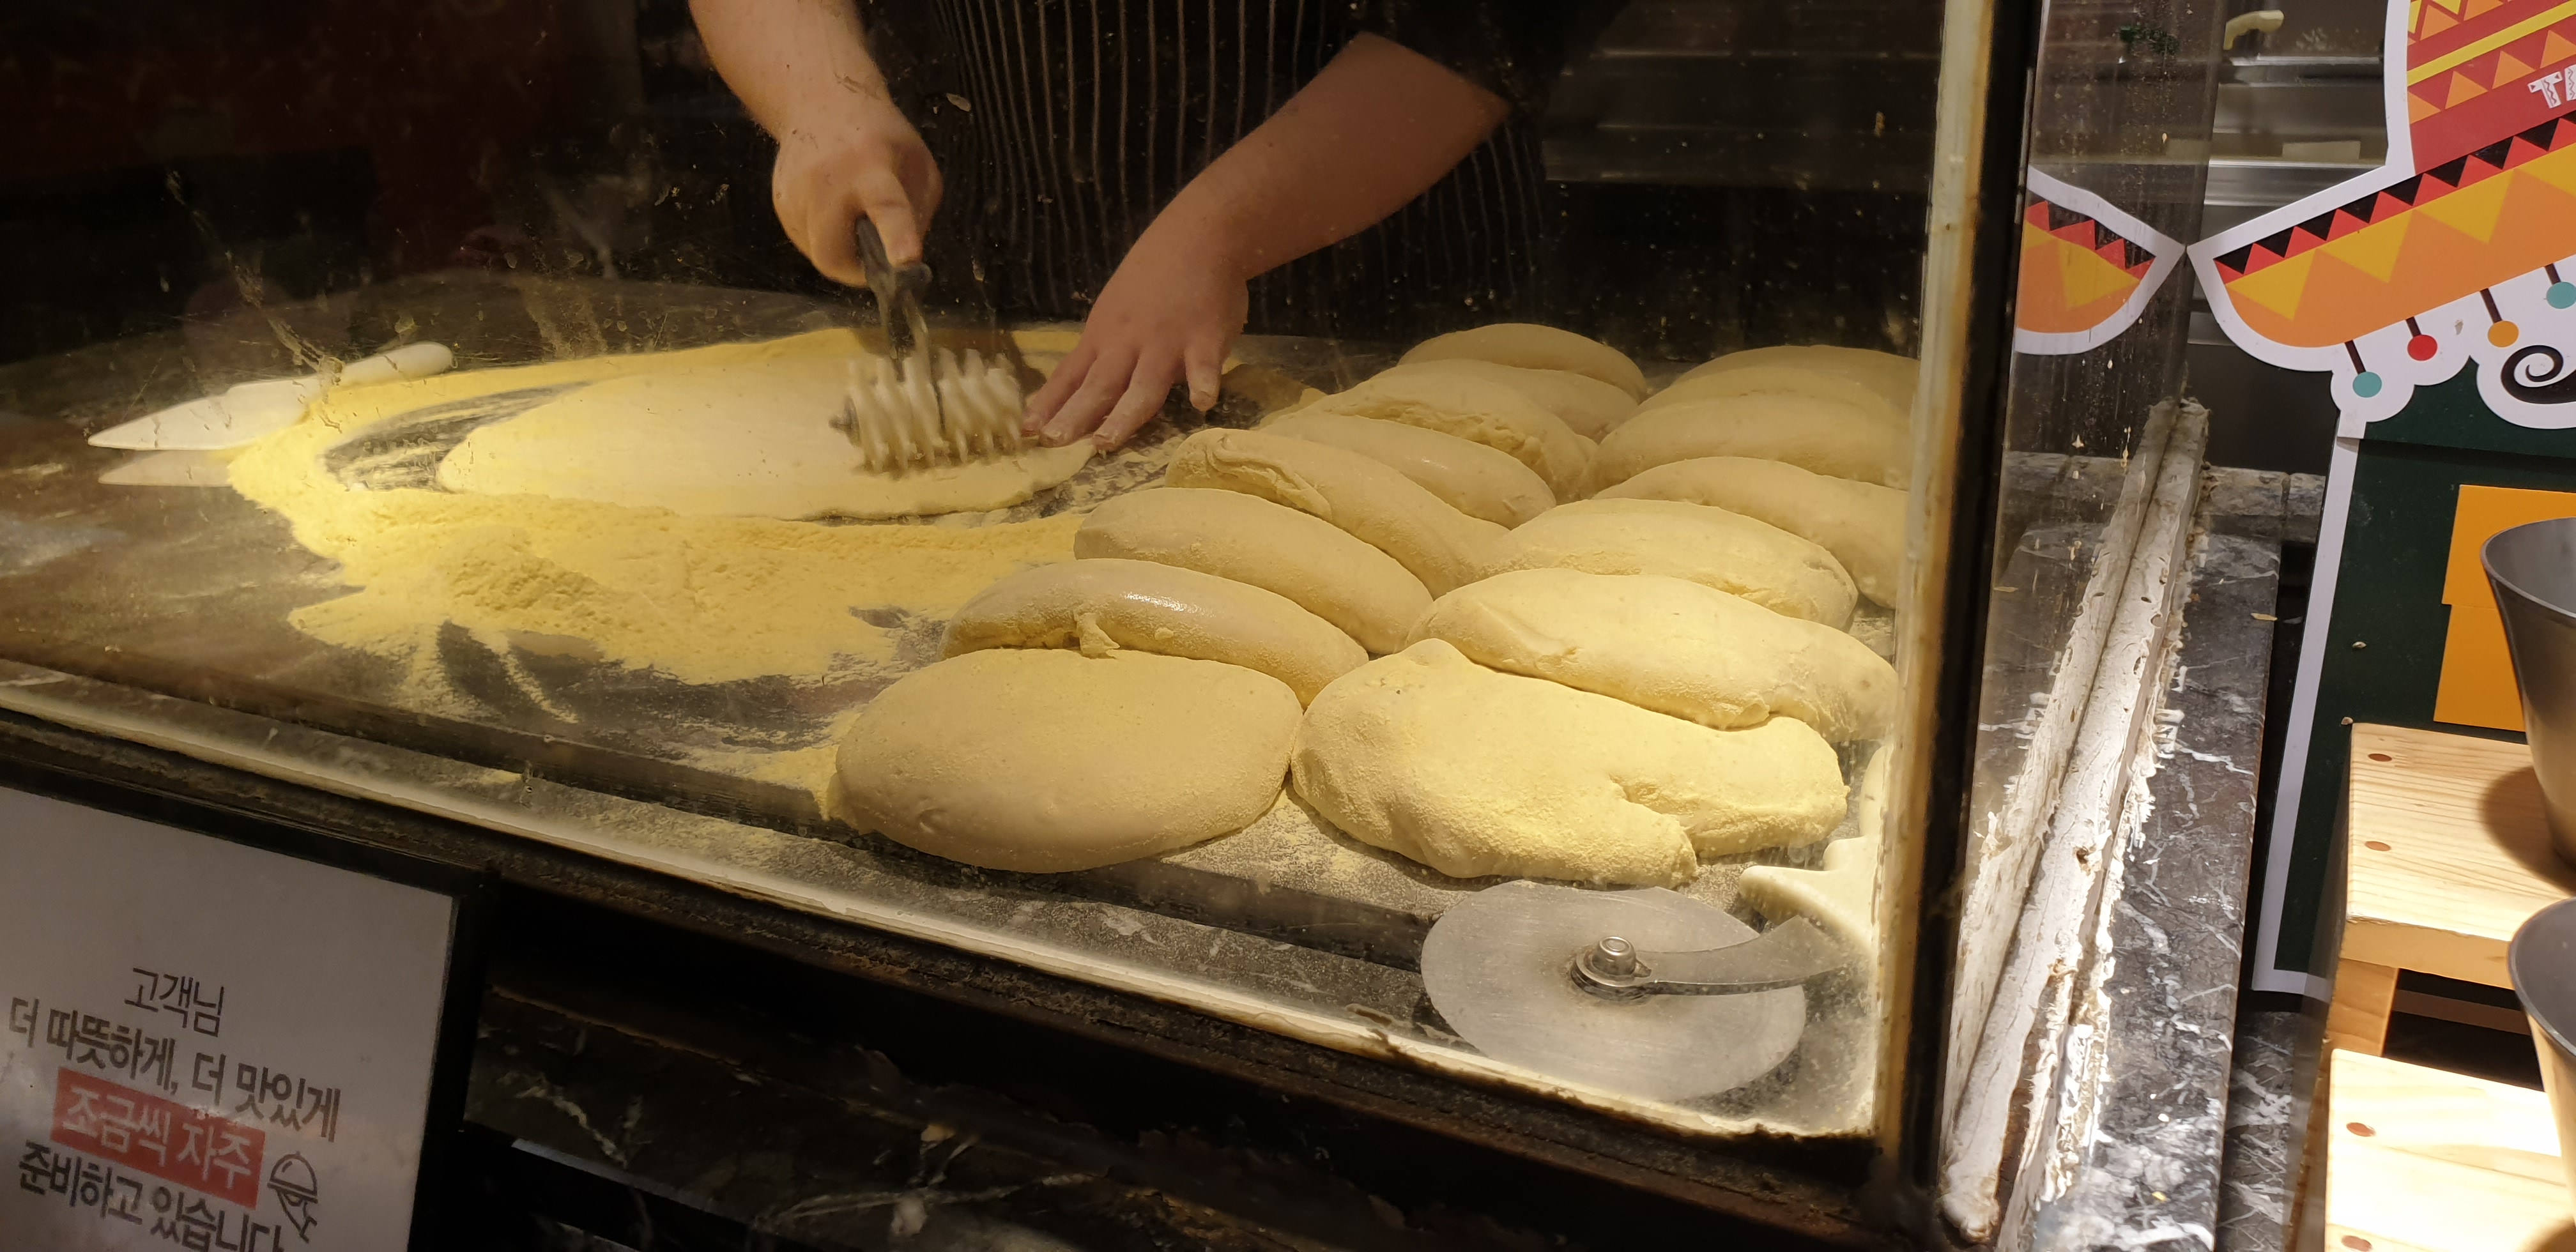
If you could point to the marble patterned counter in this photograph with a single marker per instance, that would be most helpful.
(2170, 1159)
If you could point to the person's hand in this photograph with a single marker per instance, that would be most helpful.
(866, 161)
(1167, 316)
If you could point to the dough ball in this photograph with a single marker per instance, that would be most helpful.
(1323, 568)
(1711, 547)
(1046, 760)
(1535, 347)
(1589, 405)
(1886, 373)
(1862, 524)
(1473, 772)
(1669, 645)
(1481, 411)
(1474, 479)
(1440, 545)
(752, 440)
(1813, 434)
(1100, 604)
(1755, 380)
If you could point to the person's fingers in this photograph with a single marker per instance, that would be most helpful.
(1091, 402)
(1146, 391)
(1203, 365)
(823, 232)
(1058, 388)
(928, 189)
(882, 197)
(791, 219)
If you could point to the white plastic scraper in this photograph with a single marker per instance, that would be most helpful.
(250, 410)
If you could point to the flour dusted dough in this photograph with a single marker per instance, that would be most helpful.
(1886, 373)
(1474, 479)
(1047, 760)
(1532, 346)
(1473, 772)
(1814, 434)
(1479, 410)
(1326, 570)
(1156, 608)
(1862, 524)
(1754, 380)
(1669, 645)
(1589, 405)
(1711, 547)
(751, 440)
(1440, 545)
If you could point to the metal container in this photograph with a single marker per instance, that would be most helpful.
(2542, 963)
(2532, 568)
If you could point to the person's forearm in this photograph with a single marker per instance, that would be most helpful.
(1376, 128)
(794, 63)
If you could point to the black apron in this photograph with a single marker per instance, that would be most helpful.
(1064, 126)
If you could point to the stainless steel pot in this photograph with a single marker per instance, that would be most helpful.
(2532, 568)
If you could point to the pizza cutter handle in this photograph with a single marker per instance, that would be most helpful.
(1786, 955)
(898, 296)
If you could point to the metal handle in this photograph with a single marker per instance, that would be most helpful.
(1783, 956)
(898, 294)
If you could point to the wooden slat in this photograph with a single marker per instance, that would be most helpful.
(2419, 1160)
(2364, 995)
(2449, 851)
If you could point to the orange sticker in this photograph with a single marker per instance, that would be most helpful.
(2477, 676)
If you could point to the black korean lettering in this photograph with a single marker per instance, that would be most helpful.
(93, 1040)
(207, 1074)
(35, 1167)
(58, 1172)
(246, 1080)
(197, 1224)
(60, 1025)
(122, 1044)
(250, 1238)
(22, 1019)
(317, 1109)
(89, 1186)
(205, 1012)
(124, 1199)
(152, 1060)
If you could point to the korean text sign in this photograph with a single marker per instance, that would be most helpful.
(207, 1045)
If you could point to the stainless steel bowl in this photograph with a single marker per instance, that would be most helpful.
(2532, 568)
(2542, 963)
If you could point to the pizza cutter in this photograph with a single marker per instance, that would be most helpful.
(918, 406)
(1646, 992)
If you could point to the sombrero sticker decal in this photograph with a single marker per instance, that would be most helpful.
(2462, 247)
(2087, 269)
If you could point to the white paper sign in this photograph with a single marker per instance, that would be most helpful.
(208, 1045)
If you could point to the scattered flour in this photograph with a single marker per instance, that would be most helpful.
(701, 599)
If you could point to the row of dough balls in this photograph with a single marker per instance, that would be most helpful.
(1605, 692)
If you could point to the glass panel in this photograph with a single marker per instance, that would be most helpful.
(2095, 431)
(468, 380)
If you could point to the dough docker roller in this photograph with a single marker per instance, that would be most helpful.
(919, 407)
(1646, 992)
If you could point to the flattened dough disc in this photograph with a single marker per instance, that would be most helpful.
(1498, 966)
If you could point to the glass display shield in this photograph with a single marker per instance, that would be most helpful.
(1427, 528)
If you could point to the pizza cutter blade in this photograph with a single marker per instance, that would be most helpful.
(1501, 967)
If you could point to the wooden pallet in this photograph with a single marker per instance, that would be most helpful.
(2449, 854)
(2419, 1160)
